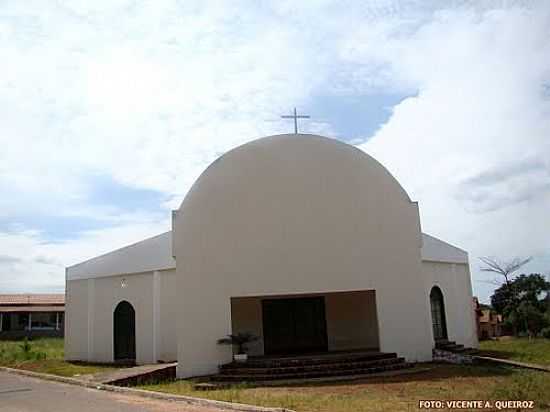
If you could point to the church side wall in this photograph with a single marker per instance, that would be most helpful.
(455, 282)
(109, 292)
(89, 316)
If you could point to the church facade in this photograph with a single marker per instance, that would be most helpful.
(304, 241)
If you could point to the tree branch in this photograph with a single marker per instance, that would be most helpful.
(505, 269)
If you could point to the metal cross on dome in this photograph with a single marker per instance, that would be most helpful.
(295, 117)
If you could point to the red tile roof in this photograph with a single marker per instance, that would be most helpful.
(33, 299)
(32, 308)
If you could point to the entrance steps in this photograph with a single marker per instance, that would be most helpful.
(451, 346)
(310, 366)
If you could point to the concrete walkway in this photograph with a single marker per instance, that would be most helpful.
(131, 375)
(517, 364)
(22, 393)
(201, 404)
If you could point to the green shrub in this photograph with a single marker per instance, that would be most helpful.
(546, 332)
(26, 347)
(16, 352)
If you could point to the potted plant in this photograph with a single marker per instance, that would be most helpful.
(240, 340)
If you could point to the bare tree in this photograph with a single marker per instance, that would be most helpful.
(504, 269)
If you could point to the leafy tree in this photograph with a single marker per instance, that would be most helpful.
(533, 289)
(502, 298)
(523, 302)
(531, 318)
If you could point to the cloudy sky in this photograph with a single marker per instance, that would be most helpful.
(110, 109)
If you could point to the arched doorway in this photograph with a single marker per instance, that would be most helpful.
(439, 322)
(124, 332)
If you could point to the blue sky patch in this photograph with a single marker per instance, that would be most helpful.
(354, 117)
(105, 200)
(104, 191)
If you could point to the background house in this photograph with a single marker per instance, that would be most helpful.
(489, 323)
(31, 315)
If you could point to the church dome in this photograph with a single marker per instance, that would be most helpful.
(300, 203)
(314, 159)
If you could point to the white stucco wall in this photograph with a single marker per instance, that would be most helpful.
(436, 250)
(297, 214)
(90, 306)
(168, 316)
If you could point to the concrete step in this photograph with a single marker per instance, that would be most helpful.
(244, 377)
(344, 365)
(453, 348)
(324, 359)
(442, 344)
(463, 350)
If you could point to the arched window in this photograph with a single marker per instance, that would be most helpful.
(124, 332)
(439, 322)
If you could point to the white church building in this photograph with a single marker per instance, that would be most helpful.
(305, 241)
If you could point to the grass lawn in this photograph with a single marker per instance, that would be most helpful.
(519, 349)
(398, 393)
(44, 355)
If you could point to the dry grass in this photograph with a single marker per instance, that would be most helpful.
(44, 355)
(398, 393)
(519, 349)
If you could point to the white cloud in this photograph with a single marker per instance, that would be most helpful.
(148, 93)
(149, 104)
(473, 145)
(31, 262)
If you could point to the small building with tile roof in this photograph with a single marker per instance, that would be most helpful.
(31, 315)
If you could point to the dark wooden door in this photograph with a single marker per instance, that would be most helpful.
(293, 326)
(124, 332)
(439, 323)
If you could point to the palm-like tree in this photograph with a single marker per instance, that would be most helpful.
(240, 340)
